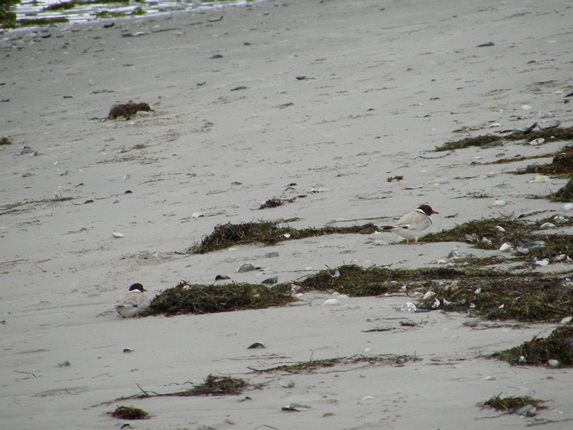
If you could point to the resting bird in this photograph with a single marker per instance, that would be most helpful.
(133, 303)
(411, 225)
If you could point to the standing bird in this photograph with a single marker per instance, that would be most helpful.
(133, 303)
(413, 223)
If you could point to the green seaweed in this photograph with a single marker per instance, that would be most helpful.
(534, 297)
(554, 134)
(129, 413)
(510, 405)
(267, 233)
(200, 299)
(311, 365)
(538, 351)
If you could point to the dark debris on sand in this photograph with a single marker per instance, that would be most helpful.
(510, 405)
(267, 233)
(127, 110)
(487, 140)
(537, 352)
(201, 299)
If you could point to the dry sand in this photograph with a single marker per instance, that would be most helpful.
(385, 82)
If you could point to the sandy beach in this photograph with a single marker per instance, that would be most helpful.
(315, 101)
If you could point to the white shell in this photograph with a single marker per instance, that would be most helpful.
(428, 295)
(500, 228)
(331, 302)
(544, 262)
(566, 320)
(197, 215)
(408, 307)
(547, 225)
(505, 247)
(553, 363)
(117, 234)
(538, 141)
(499, 202)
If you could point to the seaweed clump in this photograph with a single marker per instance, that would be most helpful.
(553, 134)
(562, 163)
(129, 413)
(522, 298)
(524, 236)
(537, 352)
(7, 15)
(565, 193)
(510, 405)
(485, 233)
(201, 299)
(271, 203)
(127, 110)
(217, 386)
(356, 281)
(308, 366)
(266, 232)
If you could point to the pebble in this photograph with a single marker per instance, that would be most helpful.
(295, 407)
(117, 234)
(505, 247)
(197, 215)
(538, 141)
(553, 363)
(546, 226)
(526, 248)
(486, 241)
(331, 302)
(428, 295)
(247, 267)
(539, 179)
(527, 411)
(271, 254)
(256, 345)
(544, 262)
(566, 320)
(286, 383)
(499, 202)
(500, 228)
(270, 281)
(408, 307)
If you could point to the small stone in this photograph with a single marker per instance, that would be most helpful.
(197, 215)
(256, 345)
(499, 202)
(247, 267)
(222, 278)
(117, 234)
(538, 141)
(408, 307)
(295, 407)
(544, 262)
(127, 350)
(271, 254)
(64, 364)
(546, 225)
(566, 320)
(527, 411)
(286, 383)
(505, 247)
(553, 363)
(331, 302)
(270, 281)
